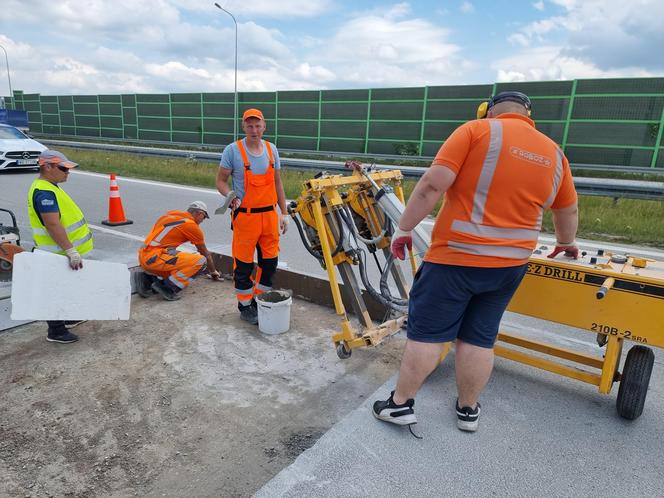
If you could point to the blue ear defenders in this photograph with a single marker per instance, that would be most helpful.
(518, 97)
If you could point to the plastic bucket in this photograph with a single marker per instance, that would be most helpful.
(274, 311)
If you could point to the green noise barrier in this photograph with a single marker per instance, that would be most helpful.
(615, 122)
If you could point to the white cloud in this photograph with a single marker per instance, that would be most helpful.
(397, 11)
(467, 8)
(613, 35)
(314, 73)
(177, 71)
(264, 8)
(547, 63)
(539, 5)
(519, 39)
(392, 49)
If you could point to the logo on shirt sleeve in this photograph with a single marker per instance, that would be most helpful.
(47, 202)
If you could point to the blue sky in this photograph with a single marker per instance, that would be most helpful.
(130, 46)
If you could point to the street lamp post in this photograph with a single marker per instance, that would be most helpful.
(235, 116)
(11, 94)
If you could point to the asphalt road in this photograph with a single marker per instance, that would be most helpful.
(144, 201)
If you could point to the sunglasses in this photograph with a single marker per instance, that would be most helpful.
(63, 169)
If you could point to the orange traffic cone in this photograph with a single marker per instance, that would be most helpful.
(116, 215)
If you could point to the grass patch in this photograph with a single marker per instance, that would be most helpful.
(628, 221)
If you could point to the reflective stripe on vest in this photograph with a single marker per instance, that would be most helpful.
(488, 169)
(71, 218)
(156, 238)
(557, 177)
(495, 251)
(475, 226)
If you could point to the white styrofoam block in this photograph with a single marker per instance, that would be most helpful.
(45, 288)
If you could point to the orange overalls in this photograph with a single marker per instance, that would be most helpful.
(255, 228)
(159, 255)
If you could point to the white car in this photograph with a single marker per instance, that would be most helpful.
(18, 150)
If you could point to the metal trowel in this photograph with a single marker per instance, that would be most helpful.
(227, 202)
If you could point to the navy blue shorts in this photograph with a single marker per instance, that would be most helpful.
(449, 302)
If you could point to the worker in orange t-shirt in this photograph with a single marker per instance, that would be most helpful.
(498, 176)
(167, 270)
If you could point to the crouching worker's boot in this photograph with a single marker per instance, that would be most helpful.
(144, 284)
(167, 291)
(57, 332)
(249, 313)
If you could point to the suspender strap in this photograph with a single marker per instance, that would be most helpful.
(245, 157)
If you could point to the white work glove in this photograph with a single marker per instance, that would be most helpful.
(215, 275)
(283, 223)
(75, 259)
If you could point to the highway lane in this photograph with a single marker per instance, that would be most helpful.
(144, 201)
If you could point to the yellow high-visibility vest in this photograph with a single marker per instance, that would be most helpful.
(71, 218)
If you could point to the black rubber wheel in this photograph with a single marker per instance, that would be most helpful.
(5, 265)
(342, 352)
(634, 382)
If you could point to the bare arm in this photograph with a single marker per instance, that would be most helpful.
(281, 195)
(223, 175)
(428, 191)
(56, 230)
(565, 222)
(202, 248)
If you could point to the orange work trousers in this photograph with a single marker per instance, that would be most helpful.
(254, 233)
(178, 267)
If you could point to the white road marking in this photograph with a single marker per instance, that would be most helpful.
(187, 247)
(117, 232)
(125, 179)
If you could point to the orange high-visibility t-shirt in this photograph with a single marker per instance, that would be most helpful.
(177, 234)
(508, 173)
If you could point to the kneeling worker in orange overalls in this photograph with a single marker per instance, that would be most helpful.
(254, 166)
(168, 270)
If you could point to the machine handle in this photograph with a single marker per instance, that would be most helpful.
(608, 283)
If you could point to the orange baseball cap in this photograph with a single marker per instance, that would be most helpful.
(252, 113)
(56, 158)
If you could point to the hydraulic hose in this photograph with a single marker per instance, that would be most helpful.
(398, 305)
(351, 224)
(307, 245)
(385, 289)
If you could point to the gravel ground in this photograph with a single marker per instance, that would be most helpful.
(184, 399)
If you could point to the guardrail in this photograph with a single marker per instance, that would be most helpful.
(328, 154)
(604, 187)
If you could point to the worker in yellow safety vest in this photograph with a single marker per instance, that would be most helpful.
(58, 225)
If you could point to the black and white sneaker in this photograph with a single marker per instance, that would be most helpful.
(468, 419)
(62, 337)
(389, 411)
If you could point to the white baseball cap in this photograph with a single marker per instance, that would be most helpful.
(200, 205)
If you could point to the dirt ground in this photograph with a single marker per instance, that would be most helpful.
(184, 399)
